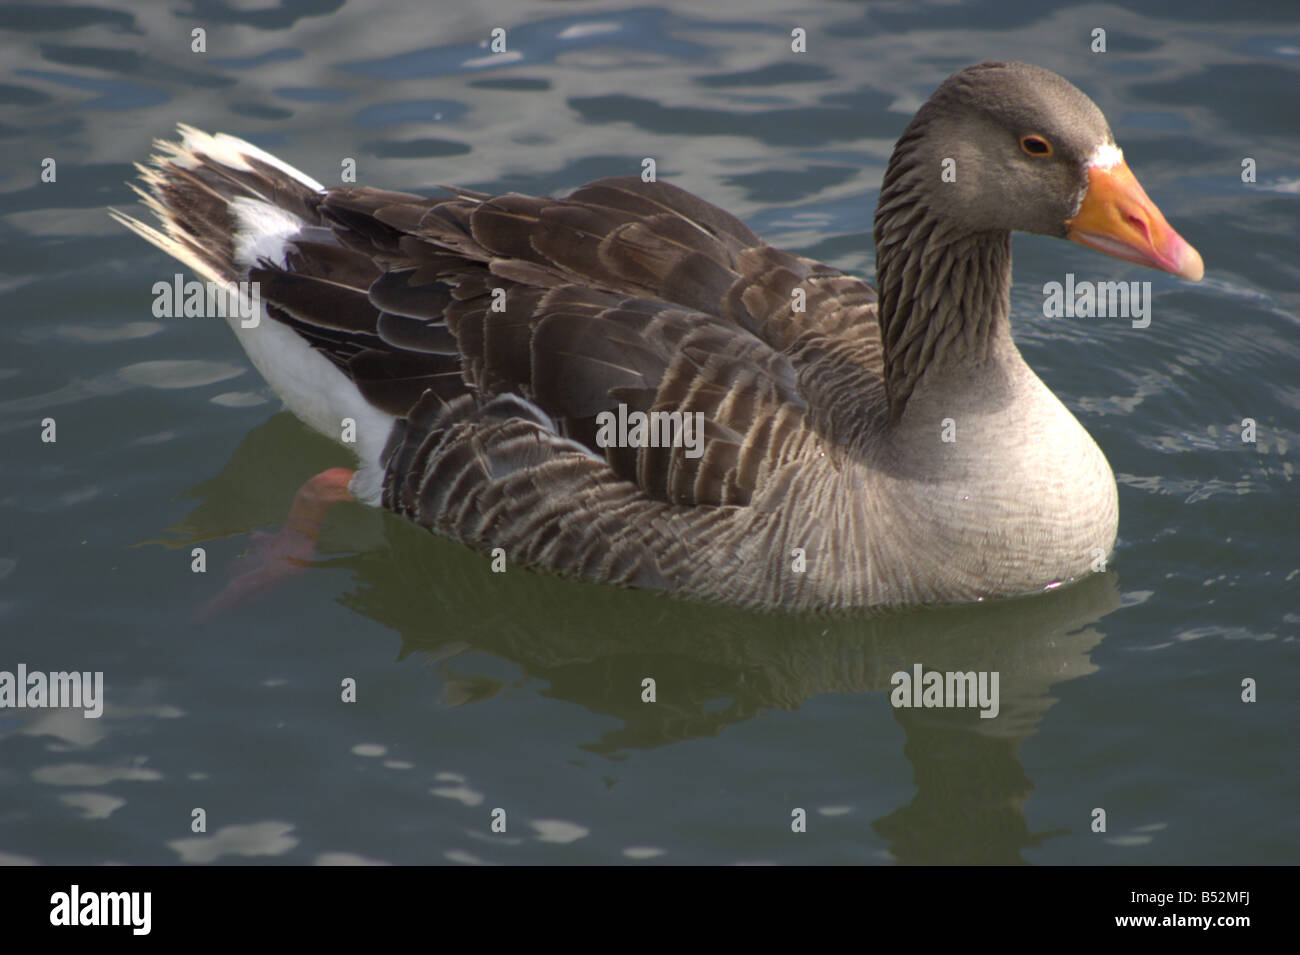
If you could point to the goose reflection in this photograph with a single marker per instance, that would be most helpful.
(713, 667)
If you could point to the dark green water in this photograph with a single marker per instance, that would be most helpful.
(479, 691)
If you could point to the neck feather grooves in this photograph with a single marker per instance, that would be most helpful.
(944, 296)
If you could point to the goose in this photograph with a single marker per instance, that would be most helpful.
(629, 385)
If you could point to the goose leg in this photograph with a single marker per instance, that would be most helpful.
(290, 550)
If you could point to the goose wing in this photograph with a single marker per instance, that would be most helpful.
(625, 293)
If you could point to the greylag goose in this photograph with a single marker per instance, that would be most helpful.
(629, 385)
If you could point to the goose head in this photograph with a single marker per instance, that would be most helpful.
(1004, 147)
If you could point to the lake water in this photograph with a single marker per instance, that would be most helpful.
(479, 691)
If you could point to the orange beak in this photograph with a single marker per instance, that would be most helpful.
(1117, 218)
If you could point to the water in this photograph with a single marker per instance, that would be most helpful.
(478, 691)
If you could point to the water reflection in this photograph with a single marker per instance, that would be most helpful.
(714, 667)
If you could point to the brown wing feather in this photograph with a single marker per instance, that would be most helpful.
(625, 293)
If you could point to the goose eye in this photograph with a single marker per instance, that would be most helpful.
(1036, 145)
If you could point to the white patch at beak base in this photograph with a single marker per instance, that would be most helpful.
(1105, 156)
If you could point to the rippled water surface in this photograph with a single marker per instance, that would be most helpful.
(479, 691)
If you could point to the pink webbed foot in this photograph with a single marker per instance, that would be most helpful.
(278, 556)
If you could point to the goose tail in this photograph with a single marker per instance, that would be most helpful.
(225, 207)
(221, 203)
